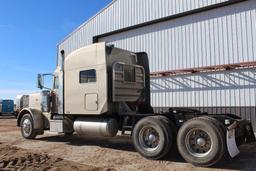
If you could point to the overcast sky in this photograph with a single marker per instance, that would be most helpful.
(29, 33)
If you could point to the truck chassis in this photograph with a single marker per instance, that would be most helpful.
(117, 98)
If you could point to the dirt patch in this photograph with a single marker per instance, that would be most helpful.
(13, 158)
(57, 152)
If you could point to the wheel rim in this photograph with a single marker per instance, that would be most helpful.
(149, 138)
(198, 142)
(27, 127)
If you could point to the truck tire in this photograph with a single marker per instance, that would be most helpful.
(172, 130)
(27, 127)
(151, 137)
(223, 131)
(216, 123)
(201, 142)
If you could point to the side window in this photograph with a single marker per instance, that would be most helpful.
(87, 76)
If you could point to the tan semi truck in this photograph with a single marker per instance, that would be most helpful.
(99, 90)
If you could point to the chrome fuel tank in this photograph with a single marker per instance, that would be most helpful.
(96, 127)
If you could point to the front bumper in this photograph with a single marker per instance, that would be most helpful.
(238, 133)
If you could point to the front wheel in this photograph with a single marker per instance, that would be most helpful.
(27, 127)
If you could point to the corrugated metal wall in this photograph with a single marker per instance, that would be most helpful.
(220, 36)
(124, 13)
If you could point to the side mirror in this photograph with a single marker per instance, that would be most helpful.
(40, 81)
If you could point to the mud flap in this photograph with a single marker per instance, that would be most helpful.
(231, 141)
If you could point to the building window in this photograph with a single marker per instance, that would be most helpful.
(88, 76)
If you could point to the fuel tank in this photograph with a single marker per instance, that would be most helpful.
(106, 127)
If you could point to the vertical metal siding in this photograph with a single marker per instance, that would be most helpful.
(221, 36)
(124, 13)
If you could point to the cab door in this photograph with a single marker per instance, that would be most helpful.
(81, 91)
(87, 79)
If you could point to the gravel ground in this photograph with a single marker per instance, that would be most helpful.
(57, 152)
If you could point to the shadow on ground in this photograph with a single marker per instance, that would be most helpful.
(246, 160)
(118, 142)
(123, 143)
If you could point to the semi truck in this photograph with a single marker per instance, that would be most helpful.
(101, 90)
(6, 106)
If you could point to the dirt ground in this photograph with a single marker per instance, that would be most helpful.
(57, 152)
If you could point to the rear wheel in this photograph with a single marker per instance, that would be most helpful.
(201, 142)
(27, 127)
(217, 124)
(172, 130)
(223, 131)
(151, 137)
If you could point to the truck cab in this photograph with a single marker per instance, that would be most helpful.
(95, 82)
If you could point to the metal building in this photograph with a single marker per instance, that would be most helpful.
(182, 34)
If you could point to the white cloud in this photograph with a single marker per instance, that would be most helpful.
(13, 83)
(5, 26)
(18, 68)
(12, 93)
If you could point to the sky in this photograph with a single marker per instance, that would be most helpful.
(29, 33)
